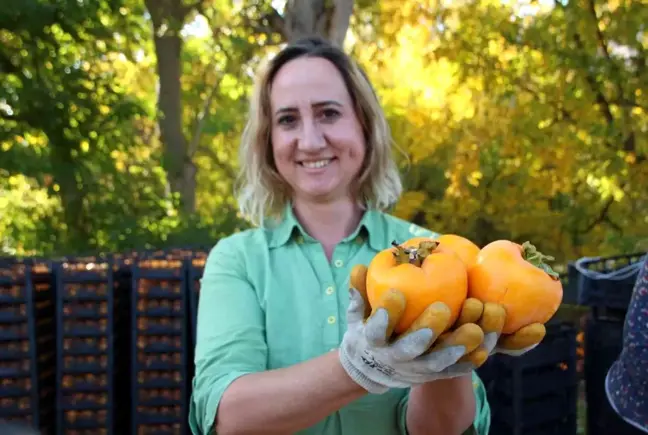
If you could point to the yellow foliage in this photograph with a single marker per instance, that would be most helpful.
(410, 203)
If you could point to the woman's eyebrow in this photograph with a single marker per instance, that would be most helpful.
(327, 103)
(315, 105)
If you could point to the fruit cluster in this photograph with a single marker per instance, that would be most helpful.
(454, 270)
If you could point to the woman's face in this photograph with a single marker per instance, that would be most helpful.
(317, 139)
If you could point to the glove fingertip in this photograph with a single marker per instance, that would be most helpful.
(356, 308)
(490, 341)
(412, 345)
(376, 327)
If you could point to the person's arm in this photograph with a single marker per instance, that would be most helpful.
(286, 400)
(453, 402)
(233, 393)
(482, 417)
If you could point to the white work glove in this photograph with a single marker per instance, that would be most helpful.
(377, 363)
(491, 318)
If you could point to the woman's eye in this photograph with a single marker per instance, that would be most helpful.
(330, 113)
(286, 120)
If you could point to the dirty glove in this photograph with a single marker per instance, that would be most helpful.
(491, 318)
(377, 361)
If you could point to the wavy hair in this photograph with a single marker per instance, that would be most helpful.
(261, 192)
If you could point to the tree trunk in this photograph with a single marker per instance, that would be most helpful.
(72, 195)
(168, 17)
(326, 18)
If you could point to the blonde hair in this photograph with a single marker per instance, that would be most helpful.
(261, 191)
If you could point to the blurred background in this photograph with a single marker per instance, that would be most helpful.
(120, 119)
(119, 130)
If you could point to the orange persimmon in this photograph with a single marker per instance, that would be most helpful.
(463, 247)
(424, 272)
(517, 277)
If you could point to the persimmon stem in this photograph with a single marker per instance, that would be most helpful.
(401, 253)
(531, 254)
(414, 256)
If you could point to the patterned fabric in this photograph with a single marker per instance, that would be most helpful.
(627, 380)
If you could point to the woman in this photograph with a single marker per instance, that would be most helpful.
(282, 345)
(627, 380)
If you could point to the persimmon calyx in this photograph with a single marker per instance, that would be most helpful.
(414, 256)
(531, 254)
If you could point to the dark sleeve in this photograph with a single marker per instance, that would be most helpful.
(627, 380)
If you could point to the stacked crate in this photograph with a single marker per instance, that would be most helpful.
(159, 380)
(536, 394)
(196, 267)
(91, 367)
(27, 331)
(195, 271)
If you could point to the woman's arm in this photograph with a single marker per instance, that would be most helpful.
(453, 402)
(286, 400)
(233, 390)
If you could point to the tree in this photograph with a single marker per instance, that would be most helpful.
(516, 121)
(168, 18)
(62, 110)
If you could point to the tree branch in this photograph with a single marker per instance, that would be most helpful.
(276, 21)
(201, 119)
(227, 170)
(599, 33)
(340, 19)
(268, 24)
(601, 100)
(601, 217)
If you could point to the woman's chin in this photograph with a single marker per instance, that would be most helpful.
(318, 193)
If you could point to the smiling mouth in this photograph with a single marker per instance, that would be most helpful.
(316, 164)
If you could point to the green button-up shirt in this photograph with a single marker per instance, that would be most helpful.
(270, 298)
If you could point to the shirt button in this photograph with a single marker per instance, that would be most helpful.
(329, 291)
(331, 320)
(339, 263)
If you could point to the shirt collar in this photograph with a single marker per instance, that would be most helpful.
(371, 228)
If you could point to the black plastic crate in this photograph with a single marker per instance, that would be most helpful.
(160, 381)
(90, 369)
(536, 392)
(27, 351)
(606, 283)
(603, 344)
(564, 426)
(551, 365)
(196, 268)
(553, 414)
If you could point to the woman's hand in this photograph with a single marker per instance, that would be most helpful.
(491, 318)
(377, 361)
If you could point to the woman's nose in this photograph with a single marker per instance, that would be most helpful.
(311, 138)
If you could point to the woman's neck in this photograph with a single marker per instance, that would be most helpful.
(328, 222)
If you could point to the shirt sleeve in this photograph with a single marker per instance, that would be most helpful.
(626, 383)
(483, 413)
(230, 332)
(401, 415)
(481, 424)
